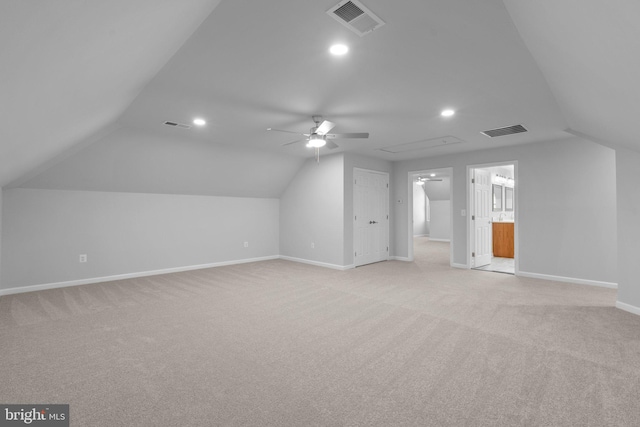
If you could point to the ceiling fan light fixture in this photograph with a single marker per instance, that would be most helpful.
(447, 113)
(316, 141)
(199, 122)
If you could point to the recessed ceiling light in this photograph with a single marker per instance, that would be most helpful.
(447, 113)
(433, 174)
(338, 49)
(199, 122)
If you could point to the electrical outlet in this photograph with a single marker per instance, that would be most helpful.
(82, 258)
(246, 244)
(313, 245)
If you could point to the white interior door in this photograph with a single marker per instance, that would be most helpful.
(482, 218)
(371, 216)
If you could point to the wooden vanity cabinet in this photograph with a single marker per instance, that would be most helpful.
(503, 239)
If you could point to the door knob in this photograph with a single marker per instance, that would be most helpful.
(373, 222)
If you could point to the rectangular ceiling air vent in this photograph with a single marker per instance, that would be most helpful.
(355, 16)
(509, 130)
(178, 125)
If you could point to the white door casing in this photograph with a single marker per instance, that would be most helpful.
(371, 216)
(481, 218)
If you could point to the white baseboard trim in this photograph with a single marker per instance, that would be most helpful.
(628, 307)
(456, 265)
(439, 240)
(318, 263)
(32, 288)
(400, 258)
(609, 285)
(420, 235)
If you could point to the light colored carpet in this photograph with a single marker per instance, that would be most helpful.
(278, 343)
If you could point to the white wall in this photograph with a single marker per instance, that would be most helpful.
(419, 211)
(123, 233)
(312, 211)
(567, 212)
(440, 226)
(628, 177)
(128, 160)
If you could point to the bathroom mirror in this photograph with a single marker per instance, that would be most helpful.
(497, 197)
(508, 199)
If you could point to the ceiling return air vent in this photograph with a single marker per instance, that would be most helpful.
(509, 130)
(355, 16)
(177, 125)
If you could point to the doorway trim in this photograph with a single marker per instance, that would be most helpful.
(410, 177)
(516, 199)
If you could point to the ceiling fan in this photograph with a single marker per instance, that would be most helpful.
(319, 135)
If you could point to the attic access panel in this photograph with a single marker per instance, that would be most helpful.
(422, 145)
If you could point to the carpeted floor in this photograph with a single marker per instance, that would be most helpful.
(278, 343)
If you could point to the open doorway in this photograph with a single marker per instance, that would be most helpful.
(430, 211)
(493, 217)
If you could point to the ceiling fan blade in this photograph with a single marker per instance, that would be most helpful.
(348, 135)
(287, 131)
(325, 127)
(331, 145)
(293, 142)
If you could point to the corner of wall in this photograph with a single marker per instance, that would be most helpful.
(312, 212)
(628, 229)
(0, 237)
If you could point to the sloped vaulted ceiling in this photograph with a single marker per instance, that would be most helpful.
(589, 53)
(70, 68)
(73, 71)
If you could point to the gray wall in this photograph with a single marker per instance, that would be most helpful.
(123, 233)
(440, 220)
(1, 197)
(566, 192)
(438, 190)
(628, 178)
(131, 161)
(312, 211)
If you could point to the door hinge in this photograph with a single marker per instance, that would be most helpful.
(473, 180)
(355, 254)
(473, 254)
(355, 218)
(387, 216)
(473, 217)
(387, 248)
(387, 185)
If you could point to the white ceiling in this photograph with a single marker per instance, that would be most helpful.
(254, 65)
(72, 69)
(589, 52)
